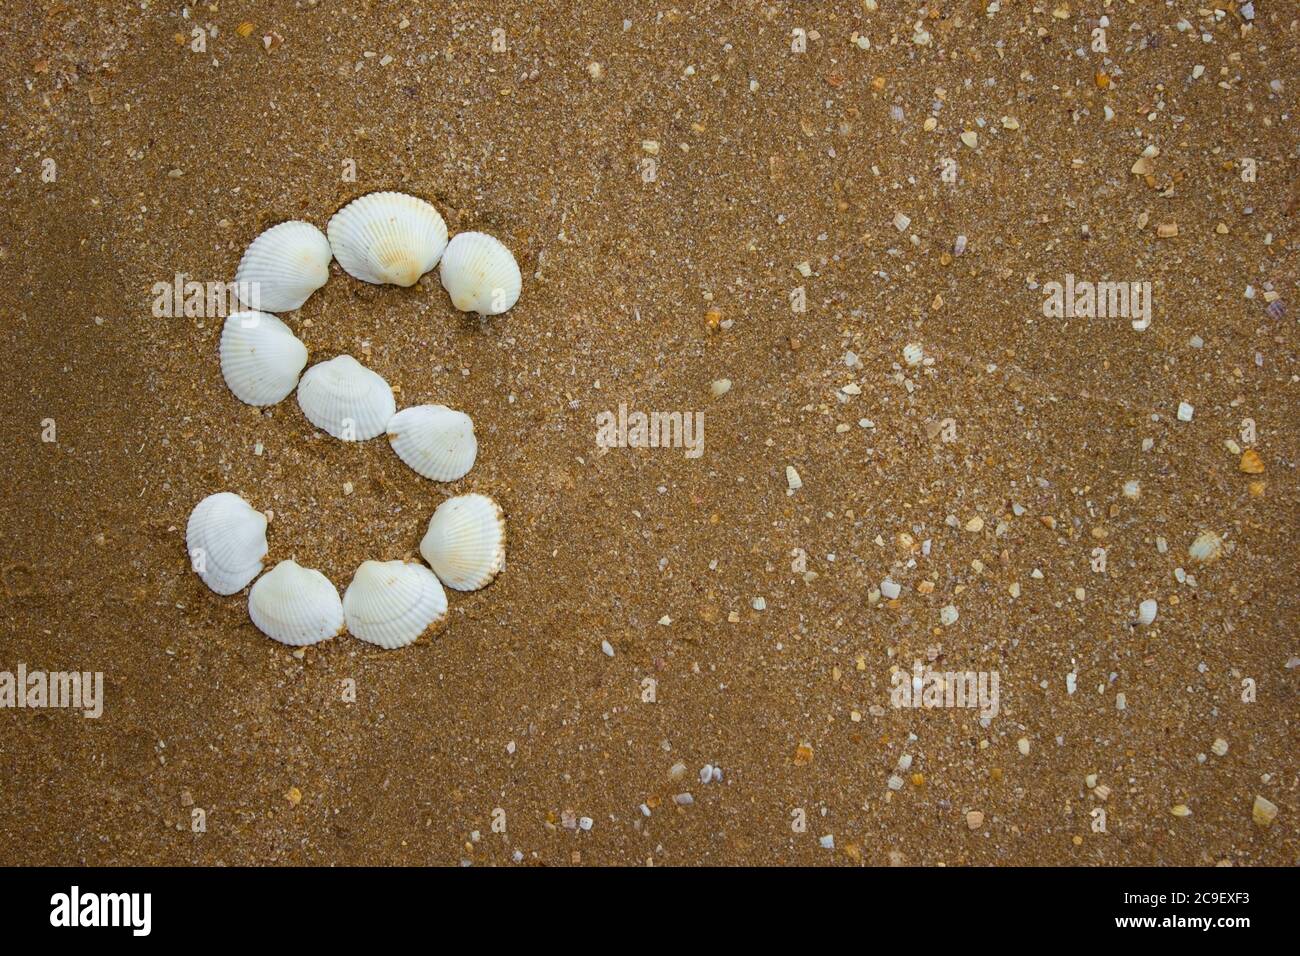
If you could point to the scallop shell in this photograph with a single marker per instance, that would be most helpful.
(261, 358)
(391, 603)
(226, 538)
(480, 274)
(283, 266)
(346, 399)
(436, 441)
(387, 238)
(295, 605)
(466, 542)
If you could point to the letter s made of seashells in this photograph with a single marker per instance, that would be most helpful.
(480, 274)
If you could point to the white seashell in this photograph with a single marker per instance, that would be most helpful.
(387, 237)
(1147, 611)
(346, 399)
(261, 358)
(438, 442)
(226, 538)
(283, 266)
(295, 605)
(391, 603)
(480, 274)
(466, 542)
(1207, 547)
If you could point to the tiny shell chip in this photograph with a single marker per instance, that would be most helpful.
(387, 238)
(1207, 547)
(283, 266)
(345, 399)
(226, 539)
(466, 542)
(436, 441)
(391, 603)
(480, 274)
(295, 605)
(261, 358)
(913, 353)
(1264, 811)
(1147, 611)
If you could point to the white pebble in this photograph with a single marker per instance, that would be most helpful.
(1185, 412)
(890, 589)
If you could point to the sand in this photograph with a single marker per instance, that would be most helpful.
(642, 285)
